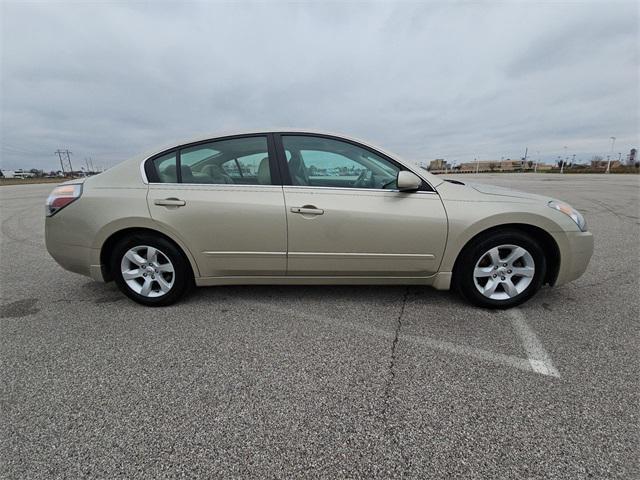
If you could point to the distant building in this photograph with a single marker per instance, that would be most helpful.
(632, 158)
(513, 165)
(497, 166)
(438, 164)
(603, 164)
(17, 173)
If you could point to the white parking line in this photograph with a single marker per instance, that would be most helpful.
(538, 361)
(538, 357)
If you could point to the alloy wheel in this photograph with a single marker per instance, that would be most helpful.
(147, 271)
(504, 272)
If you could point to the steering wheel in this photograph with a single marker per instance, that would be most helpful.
(362, 181)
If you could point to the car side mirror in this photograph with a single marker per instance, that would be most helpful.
(408, 181)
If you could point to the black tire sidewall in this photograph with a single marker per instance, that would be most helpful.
(182, 271)
(472, 253)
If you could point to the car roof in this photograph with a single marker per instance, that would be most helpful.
(264, 131)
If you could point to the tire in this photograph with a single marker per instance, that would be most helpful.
(157, 272)
(483, 279)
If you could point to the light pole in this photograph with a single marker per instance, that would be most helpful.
(477, 164)
(563, 160)
(613, 142)
(535, 169)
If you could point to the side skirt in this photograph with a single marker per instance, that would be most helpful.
(440, 281)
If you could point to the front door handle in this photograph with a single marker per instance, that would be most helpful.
(307, 210)
(170, 202)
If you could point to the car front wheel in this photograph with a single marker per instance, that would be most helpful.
(150, 270)
(501, 269)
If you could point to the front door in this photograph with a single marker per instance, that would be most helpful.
(346, 218)
(224, 200)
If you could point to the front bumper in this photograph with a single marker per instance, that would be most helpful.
(576, 249)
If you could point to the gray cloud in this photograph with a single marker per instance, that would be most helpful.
(486, 79)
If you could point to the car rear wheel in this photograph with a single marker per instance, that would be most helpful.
(501, 269)
(150, 270)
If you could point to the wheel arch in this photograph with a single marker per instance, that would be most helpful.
(111, 241)
(547, 242)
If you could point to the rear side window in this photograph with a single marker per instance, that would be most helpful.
(166, 168)
(243, 161)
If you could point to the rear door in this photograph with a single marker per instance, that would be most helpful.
(224, 199)
(346, 218)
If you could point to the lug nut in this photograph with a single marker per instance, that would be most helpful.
(144, 274)
(494, 275)
(508, 271)
(153, 277)
(502, 278)
(504, 264)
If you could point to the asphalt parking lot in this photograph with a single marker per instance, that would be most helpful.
(319, 381)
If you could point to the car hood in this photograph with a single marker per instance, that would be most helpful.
(469, 191)
(506, 192)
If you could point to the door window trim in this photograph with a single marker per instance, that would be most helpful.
(150, 175)
(286, 175)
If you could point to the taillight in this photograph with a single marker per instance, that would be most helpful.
(62, 196)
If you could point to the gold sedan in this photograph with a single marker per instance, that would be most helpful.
(300, 207)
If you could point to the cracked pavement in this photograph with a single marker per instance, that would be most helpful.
(392, 359)
(323, 381)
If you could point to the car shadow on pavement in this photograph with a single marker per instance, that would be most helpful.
(337, 293)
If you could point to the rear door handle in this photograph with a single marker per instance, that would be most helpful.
(307, 210)
(170, 202)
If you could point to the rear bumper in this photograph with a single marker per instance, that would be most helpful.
(75, 258)
(576, 249)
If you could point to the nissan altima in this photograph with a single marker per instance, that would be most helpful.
(301, 207)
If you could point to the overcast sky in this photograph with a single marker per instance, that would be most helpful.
(109, 80)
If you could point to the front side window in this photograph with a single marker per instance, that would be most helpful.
(325, 162)
(243, 161)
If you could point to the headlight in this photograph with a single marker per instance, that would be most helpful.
(575, 215)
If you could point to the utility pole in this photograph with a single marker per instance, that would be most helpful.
(60, 157)
(65, 161)
(613, 142)
(69, 161)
